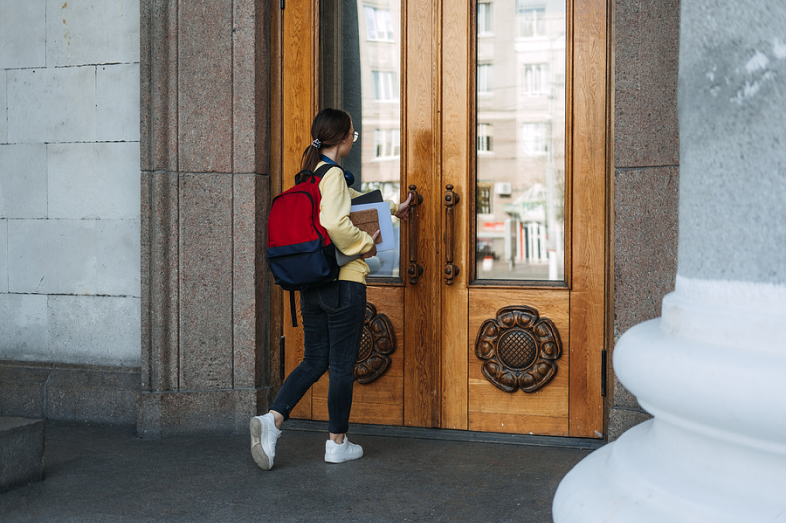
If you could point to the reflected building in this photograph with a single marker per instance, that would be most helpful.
(361, 59)
(520, 195)
(520, 133)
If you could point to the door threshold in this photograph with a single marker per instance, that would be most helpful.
(452, 435)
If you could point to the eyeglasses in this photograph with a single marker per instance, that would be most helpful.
(355, 136)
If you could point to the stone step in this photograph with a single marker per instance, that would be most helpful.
(21, 452)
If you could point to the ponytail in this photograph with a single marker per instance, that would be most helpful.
(330, 127)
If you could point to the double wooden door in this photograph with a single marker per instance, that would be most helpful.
(491, 314)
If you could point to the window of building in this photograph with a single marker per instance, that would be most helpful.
(530, 21)
(387, 143)
(484, 78)
(385, 85)
(533, 78)
(533, 139)
(484, 137)
(379, 24)
(484, 18)
(483, 198)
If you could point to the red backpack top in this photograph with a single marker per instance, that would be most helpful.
(299, 251)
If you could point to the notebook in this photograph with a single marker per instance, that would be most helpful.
(366, 220)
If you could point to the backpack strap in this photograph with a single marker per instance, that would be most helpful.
(292, 308)
(307, 176)
(322, 171)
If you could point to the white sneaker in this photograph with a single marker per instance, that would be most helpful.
(264, 435)
(335, 453)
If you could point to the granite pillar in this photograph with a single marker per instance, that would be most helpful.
(646, 175)
(712, 369)
(205, 194)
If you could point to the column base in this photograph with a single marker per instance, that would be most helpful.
(716, 448)
(169, 414)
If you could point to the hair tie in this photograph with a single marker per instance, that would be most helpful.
(316, 143)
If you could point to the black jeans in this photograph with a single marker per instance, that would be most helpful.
(333, 317)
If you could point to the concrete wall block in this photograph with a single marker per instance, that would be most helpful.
(250, 55)
(646, 38)
(205, 275)
(621, 419)
(161, 309)
(3, 107)
(88, 393)
(23, 384)
(117, 257)
(84, 32)
(245, 306)
(3, 256)
(52, 105)
(21, 452)
(205, 86)
(117, 98)
(646, 205)
(94, 330)
(25, 327)
(159, 86)
(22, 33)
(162, 415)
(94, 180)
(23, 181)
(74, 257)
(52, 256)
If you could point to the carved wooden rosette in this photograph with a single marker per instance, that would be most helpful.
(377, 342)
(520, 349)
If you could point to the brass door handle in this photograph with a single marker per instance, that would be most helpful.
(450, 199)
(414, 270)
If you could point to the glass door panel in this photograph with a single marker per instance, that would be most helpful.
(520, 139)
(360, 72)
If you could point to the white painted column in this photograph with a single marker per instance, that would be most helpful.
(712, 369)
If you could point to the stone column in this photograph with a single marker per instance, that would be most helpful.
(712, 369)
(205, 191)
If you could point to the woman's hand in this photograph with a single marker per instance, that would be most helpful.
(373, 251)
(403, 209)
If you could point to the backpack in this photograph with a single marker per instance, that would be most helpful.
(299, 251)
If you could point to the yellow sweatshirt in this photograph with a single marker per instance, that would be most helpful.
(334, 217)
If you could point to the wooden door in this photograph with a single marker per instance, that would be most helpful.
(492, 314)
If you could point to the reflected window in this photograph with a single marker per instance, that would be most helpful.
(533, 139)
(484, 18)
(484, 79)
(387, 143)
(484, 198)
(385, 86)
(533, 78)
(379, 24)
(520, 161)
(484, 137)
(530, 20)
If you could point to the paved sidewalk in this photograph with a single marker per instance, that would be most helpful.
(108, 475)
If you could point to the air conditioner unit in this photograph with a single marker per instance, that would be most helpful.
(502, 189)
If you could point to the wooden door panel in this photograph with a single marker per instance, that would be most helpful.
(545, 411)
(456, 142)
(589, 206)
(519, 424)
(420, 107)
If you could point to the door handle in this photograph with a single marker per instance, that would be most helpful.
(414, 270)
(450, 199)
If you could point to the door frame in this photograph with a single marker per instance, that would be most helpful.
(588, 166)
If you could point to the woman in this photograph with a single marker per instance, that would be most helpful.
(332, 314)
